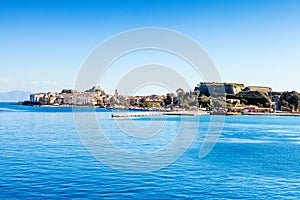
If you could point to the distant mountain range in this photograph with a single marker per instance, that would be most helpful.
(14, 96)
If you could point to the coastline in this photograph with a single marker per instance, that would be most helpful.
(274, 114)
(164, 111)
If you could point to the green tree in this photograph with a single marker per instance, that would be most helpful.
(180, 96)
(168, 100)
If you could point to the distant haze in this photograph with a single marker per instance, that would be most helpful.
(14, 96)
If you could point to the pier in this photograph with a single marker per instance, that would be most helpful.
(146, 114)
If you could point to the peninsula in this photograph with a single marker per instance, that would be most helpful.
(211, 97)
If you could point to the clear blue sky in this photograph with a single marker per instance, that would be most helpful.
(43, 43)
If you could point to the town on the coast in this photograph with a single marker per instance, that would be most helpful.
(210, 97)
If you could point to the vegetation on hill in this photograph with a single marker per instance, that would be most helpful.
(252, 98)
(290, 101)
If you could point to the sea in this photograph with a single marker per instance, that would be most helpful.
(45, 154)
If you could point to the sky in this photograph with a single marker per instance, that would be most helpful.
(43, 44)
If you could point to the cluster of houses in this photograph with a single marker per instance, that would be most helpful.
(68, 97)
(92, 97)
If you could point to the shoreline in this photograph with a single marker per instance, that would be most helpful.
(273, 114)
(170, 112)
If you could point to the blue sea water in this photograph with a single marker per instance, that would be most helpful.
(42, 157)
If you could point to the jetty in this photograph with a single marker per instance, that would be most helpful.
(146, 114)
(135, 114)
